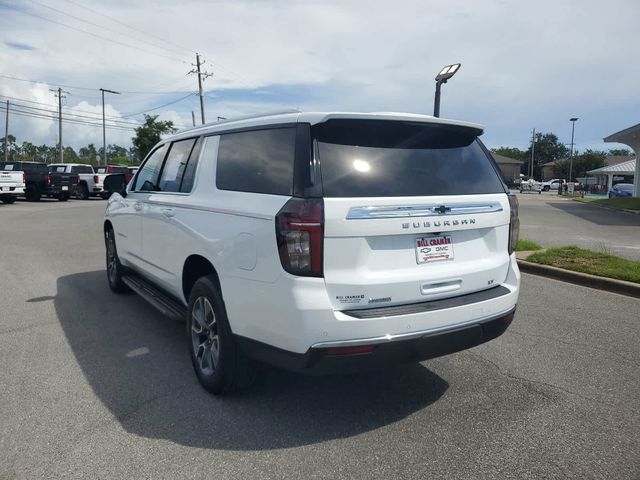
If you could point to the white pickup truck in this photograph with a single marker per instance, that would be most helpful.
(90, 182)
(11, 185)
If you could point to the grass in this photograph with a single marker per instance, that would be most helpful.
(588, 261)
(526, 246)
(616, 203)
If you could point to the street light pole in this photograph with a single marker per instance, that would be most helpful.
(573, 127)
(104, 128)
(445, 74)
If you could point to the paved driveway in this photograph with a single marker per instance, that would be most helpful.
(553, 222)
(95, 385)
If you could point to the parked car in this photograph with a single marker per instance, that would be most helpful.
(39, 181)
(11, 185)
(89, 183)
(318, 242)
(551, 184)
(621, 190)
(109, 169)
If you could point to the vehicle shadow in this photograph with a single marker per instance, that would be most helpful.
(136, 362)
(597, 215)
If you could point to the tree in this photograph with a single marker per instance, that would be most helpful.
(589, 160)
(88, 154)
(47, 154)
(70, 155)
(620, 151)
(511, 152)
(28, 152)
(547, 149)
(148, 134)
(11, 145)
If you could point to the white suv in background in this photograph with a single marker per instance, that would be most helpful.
(319, 242)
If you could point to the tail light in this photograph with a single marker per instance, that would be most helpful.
(77, 179)
(95, 179)
(24, 178)
(514, 224)
(300, 236)
(49, 179)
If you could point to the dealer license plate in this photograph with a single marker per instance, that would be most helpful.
(434, 249)
(65, 188)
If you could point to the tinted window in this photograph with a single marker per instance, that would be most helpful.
(147, 178)
(175, 166)
(374, 158)
(82, 169)
(57, 169)
(259, 161)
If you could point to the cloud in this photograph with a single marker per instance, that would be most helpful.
(19, 46)
(524, 65)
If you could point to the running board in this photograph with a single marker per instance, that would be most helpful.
(158, 299)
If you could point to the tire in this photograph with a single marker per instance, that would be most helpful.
(105, 196)
(8, 199)
(207, 327)
(546, 188)
(33, 194)
(82, 192)
(63, 197)
(115, 270)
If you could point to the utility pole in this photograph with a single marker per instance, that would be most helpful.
(533, 149)
(59, 93)
(6, 136)
(573, 128)
(201, 77)
(104, 128)
(193, 118)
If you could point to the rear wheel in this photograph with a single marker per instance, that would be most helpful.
(546, 188)
(115, 269)
(217, 360)
(63, 197)
(8, 199)
(82, 192)
(33, 193)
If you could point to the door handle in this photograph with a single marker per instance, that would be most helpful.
(168, 212)
(137, 206)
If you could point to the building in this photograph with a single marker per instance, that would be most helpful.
(510, 167)
(610, 160)
(612, 174)
(630, 137)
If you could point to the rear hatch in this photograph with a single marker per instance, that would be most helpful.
(414, 211)
(10, 180)
(59, 180)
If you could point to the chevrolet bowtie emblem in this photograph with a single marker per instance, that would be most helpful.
(442, 209)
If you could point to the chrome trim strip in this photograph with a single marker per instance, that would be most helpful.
(405, 211)
(408, 336)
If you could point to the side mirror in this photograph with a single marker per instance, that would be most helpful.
(115, 183)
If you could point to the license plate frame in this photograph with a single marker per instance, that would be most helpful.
(435, 248)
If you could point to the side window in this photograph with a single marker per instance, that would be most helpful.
(259, 161)
(81, 169)
(147, 178)
(175, 166)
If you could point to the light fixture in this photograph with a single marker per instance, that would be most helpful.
(445, 74)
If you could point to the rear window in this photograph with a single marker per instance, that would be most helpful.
(376, 158)
(57, 169)
(9, 167)
(118, 170)
(82, 169)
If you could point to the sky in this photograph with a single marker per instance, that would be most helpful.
(525, 65)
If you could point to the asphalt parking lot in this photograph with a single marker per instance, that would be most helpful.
(554, 221)
(95, 385)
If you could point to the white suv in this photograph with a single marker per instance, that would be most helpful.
(319, 242)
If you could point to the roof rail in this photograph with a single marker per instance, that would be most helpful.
(243, 117)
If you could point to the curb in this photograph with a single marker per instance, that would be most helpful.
(629, 289)
(624, 210)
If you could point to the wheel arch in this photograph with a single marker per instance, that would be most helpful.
(195, 267)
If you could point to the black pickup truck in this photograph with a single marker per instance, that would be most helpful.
(40, 181)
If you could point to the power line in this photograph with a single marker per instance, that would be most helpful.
(76, 115)
(66, 14)
(161, 106)
(129, 27)
(93, 34)
(53, 118)
(75, 87)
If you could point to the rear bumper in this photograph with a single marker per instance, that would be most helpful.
(12, 191)
(331, 358)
